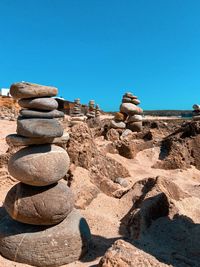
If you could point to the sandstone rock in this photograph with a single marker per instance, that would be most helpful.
(39, 128)
(112, 135)
(134, 101)
(18, 140)
(135, 126)
(130, 109)
(39, 205)
(44, 103)
(123, 254)
(117, 125)
(80, 118)
(27, 113)
(45, 246)
(130, 95)
(134, 118)
(39, 165)
(30, 90)
(196, 118)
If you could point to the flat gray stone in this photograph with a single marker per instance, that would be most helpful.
(41, 103)
(27, 113)
(39, 165)
(18, 140)
(45, 246)
(130, 109)
(117, 125)
(36, 127)
(46, 205)
(30, 90)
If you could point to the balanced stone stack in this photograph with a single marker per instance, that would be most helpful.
(91, 110)
(42, 228)
(76, 114)
(97, 111)
(130, 115)
(196, 112)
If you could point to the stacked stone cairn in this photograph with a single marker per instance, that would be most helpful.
(130, 115)
(42, 227)
(76, 115)
(196, 112)
(97, 111)
(91, 113)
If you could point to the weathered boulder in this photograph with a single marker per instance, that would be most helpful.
(112, 135)
(117, 125)
(123, 254)
(29, 90)
(45, 246)
(40, 103)
(36, 127)
(45, 205)
(135, 126)
(39, 165)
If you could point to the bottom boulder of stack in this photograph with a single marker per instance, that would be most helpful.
(45, 246)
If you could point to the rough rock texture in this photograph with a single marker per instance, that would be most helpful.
(44, 103)
(45, 246)
(117, 125)
(29, 90)
(27, 113)
(29, 166)
(181, 149)
(123, 254)
(18, 140)
(112, 135)
(39, 205)
(39, 127)
(83, 152)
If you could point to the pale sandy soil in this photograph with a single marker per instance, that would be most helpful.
(104, 213)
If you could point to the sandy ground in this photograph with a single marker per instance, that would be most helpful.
(104, 213)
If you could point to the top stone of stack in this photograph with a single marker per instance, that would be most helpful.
(30, 90)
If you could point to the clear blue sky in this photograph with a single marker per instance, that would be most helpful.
(98, 49)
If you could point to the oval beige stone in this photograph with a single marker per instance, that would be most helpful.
(130, 109)
(36, 205)
(45, 246)
(39, 165)
(30, 90)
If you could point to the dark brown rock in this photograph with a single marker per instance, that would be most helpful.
(45, 246)
(43, 103)
(39, 128)
(39, 205)
(39, 165)
(29, 90)
(134, 126)
(27, 113)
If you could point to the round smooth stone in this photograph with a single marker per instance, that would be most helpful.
(39, 165)
(36, 127)
(117, 125)
(45, 246)
(196, 107)
(135, 101)
(130, 109)
(27, 113)
(196, 118)
(30, 90)
(41, 103)
(18, 140)
(36, 205)
(126, 99)
(120, 116)
(134, 118)
(134, 126)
